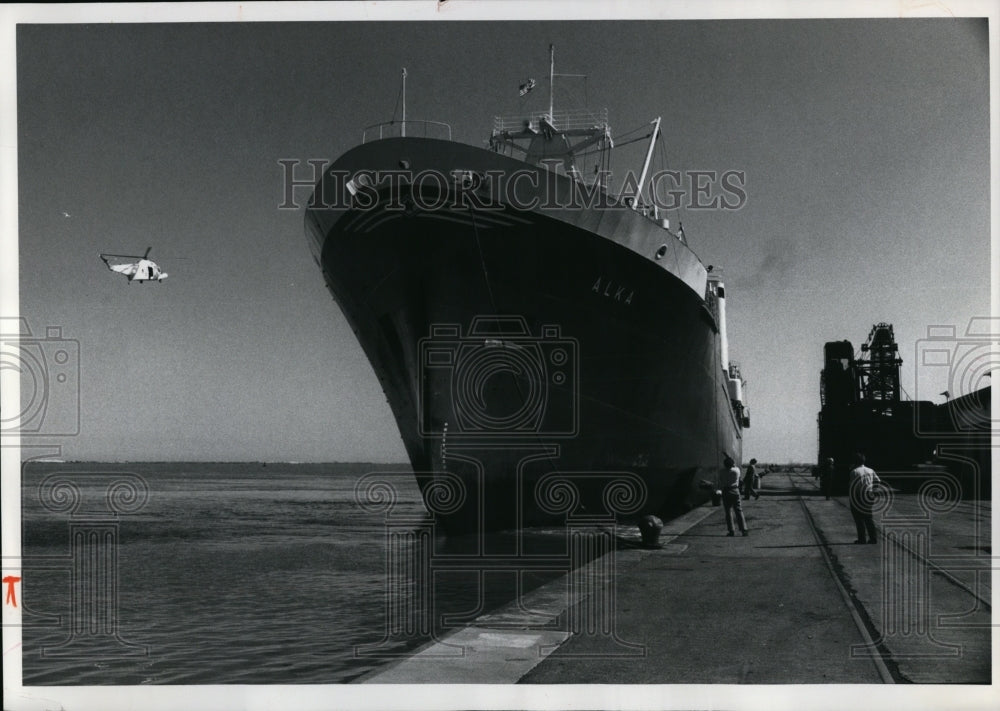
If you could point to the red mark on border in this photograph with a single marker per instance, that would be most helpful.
(11, 595)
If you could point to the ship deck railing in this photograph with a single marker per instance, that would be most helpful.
(416, 128)
(569, 120)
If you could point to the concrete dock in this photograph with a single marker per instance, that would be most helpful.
(794, 602)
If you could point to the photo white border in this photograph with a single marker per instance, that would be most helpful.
(307, 697)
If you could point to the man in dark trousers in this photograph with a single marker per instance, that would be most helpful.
(862, 495)
(729, 483)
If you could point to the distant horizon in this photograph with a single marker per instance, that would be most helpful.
(972, 395)
(407, 465)
(45, 460)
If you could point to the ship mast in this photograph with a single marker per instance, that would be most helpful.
(403, 127)
(544, 141)
(552, 78)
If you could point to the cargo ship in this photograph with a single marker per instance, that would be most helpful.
(550, 350)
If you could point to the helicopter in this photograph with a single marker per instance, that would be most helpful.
(141, 270)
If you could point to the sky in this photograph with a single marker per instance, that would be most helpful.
(865, 145)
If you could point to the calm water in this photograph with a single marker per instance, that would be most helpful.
(229, 574)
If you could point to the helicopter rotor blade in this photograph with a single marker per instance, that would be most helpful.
(120, 256)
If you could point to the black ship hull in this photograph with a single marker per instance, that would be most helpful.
(542, 362)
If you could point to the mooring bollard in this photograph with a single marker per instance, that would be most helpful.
(649, 528)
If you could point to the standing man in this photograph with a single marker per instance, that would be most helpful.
(751, 482)
(729, 483)
(862, 496)
(826, 477)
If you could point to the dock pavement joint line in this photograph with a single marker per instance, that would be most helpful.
(935, 567)
(883, 670)
(492, 654)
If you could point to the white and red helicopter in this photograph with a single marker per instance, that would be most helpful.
(141, 270)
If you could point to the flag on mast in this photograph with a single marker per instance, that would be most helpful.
(526, 87)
